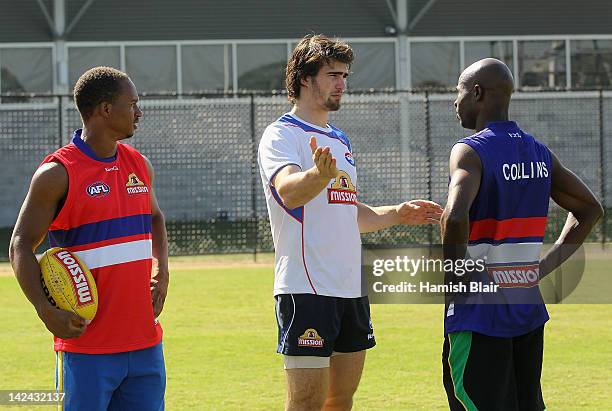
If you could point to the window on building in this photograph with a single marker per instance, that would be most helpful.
(81, 59)
(477, 50)
(152, 68)
(262, 66)
(591, 63)
(374, 66)
(207, 67)
(542, 63)
(434, 64)
(26, 70)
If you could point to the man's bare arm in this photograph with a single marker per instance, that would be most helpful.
(570, 192)
(161, 280)
(465, 172)
(47, 189)
(414, 212)
(296, 187)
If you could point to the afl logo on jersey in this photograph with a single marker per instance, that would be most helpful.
(98, 189)
(349, 158)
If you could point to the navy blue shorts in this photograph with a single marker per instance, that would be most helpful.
(133, 380)
(317, 325)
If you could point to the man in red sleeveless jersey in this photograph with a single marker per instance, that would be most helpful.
(116, 361)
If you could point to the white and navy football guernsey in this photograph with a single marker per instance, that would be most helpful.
(318, 246)
(507, 224)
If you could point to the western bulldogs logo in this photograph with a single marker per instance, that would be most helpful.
(98, 189)
(349, 158)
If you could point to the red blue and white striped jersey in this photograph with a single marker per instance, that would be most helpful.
(507, 225)
(106, 221)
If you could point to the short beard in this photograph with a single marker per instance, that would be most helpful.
(329, 104)
(332, 105)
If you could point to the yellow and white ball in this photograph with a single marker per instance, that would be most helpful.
(68, 283)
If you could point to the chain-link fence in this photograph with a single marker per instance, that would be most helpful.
(204, 152)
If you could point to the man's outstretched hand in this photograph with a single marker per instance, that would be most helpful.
(416, 212)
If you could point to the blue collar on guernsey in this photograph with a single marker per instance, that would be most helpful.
(502, 124)
(333, 132)
(81, 145)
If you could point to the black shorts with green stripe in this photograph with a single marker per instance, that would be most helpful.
(487, 373)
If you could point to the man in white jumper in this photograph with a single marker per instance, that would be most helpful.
(310, 182)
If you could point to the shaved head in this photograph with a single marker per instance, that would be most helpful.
(484, 90)
(491, 74)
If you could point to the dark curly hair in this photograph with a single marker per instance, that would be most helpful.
(311, 53)
(97, 85)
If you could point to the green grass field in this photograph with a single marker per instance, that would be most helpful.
(220, 340)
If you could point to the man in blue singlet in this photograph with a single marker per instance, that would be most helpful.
(501, 180)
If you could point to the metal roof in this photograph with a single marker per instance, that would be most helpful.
(119, 20)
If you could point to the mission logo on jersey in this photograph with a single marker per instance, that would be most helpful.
(134, 185)
(342, 190)
(515, 275)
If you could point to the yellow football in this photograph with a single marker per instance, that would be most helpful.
(68, 283)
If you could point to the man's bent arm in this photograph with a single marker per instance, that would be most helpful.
(159, 236)
(47, 189)
(570, 192)
(465, 173)
(296, 187)
(49, 185)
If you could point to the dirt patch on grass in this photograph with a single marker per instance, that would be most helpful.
(5, 270)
